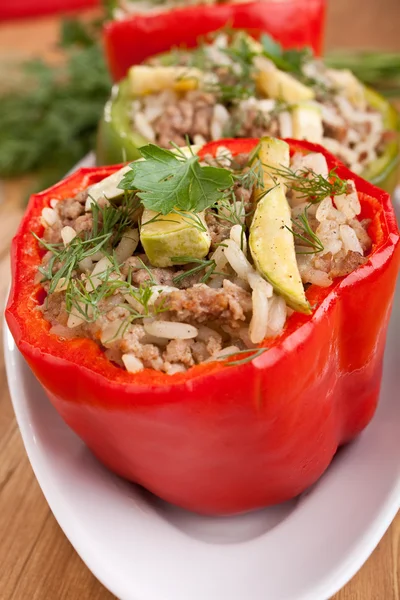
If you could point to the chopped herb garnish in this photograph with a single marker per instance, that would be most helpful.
(165, 181)
(208, 266)
(109, 224)
(310, 185)
(307, 241)
(68, 258)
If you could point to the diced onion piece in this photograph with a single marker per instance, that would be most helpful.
(68, 234)
(132, 364)
(156, 290)
(127, 245)
(237, 259)
(75, 318)
(331, 245)
(326, 210)
(62, 285)
(111, 332)
(96, 256)
(49, 216)
(350, 239)
(238, 235)
(93, 282)
(220, 259)
(277, 316)
(328, 233)
(86, 264)
(170, 330)
(349, 204)
(53, 202)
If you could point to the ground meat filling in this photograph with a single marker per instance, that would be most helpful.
(179, 118)
(172, 318)
(201, 304)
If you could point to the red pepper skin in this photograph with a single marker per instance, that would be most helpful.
(21, 9)
(295, 23)
(218, 439)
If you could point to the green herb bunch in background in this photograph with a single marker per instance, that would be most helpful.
(49, 114)
(380, 70)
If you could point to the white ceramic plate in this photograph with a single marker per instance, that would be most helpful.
(141, 548)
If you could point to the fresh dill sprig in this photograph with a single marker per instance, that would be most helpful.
(307, 240)
(253, 176)
(208, 266)
(231, 211)
(114, 219)
(310, 185)
(108, 226)
(69, 257)
(142, 296)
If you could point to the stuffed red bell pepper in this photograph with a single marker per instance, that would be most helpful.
(211, 324)
(235, 86)
(295, 23)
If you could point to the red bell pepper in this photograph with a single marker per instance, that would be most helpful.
(295, 24)
(220, 439)
(21, 9)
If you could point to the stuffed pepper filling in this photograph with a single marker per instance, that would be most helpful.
(175, 260)
(238, 87)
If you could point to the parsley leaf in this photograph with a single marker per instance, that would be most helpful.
(165, 181)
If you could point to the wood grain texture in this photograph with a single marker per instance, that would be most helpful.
(36, 560)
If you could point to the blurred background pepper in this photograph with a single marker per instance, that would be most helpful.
(49, 111)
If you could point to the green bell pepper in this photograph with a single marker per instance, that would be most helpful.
(116, 140)
(119, 142)
(384, 172)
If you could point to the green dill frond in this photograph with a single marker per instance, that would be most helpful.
(306, 239)
(208, 266)
(309, 185)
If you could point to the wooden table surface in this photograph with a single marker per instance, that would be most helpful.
(36, 560)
